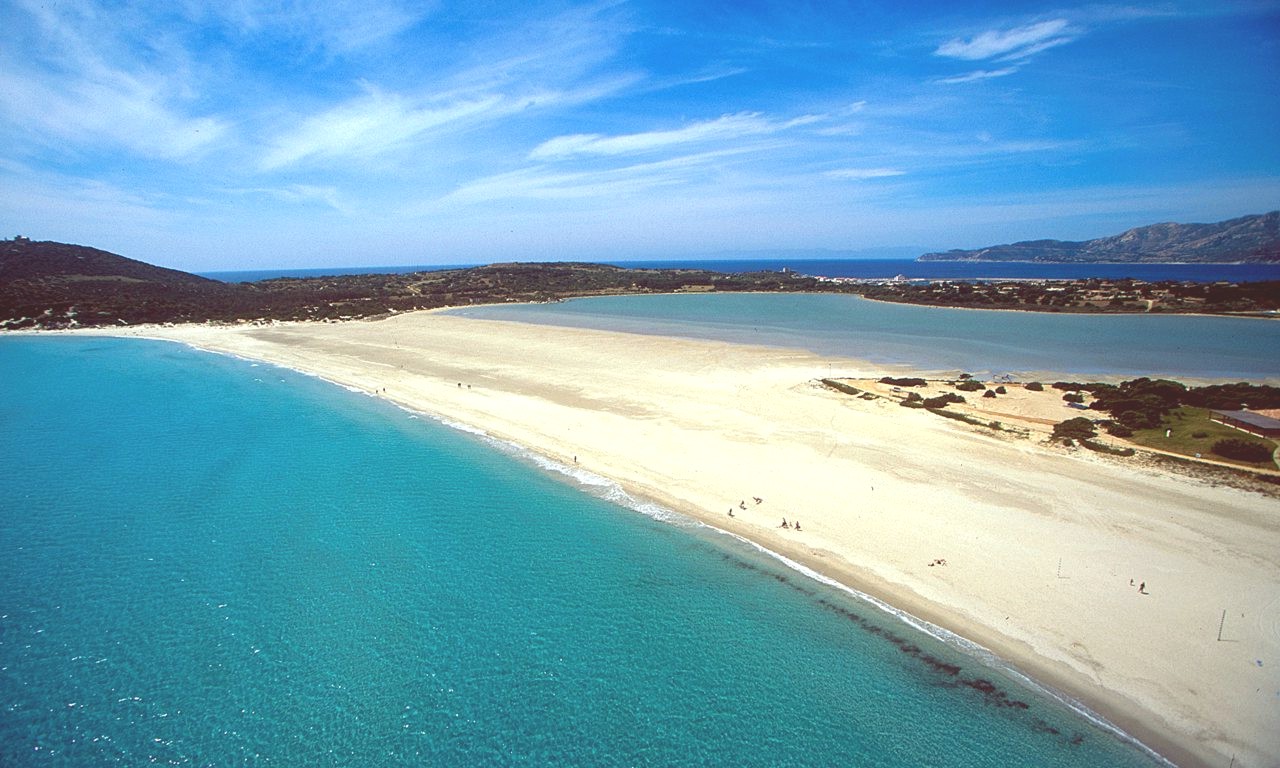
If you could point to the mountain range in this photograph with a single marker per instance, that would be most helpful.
(1248, 239)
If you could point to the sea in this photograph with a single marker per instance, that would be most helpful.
(863, 268)
(213, 562)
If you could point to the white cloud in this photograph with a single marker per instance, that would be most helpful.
(1010, 44)
(82, 88)
(977, 75)
(862, 174)
(371, 124)
(539, 183)
(339, 26)
(723, 128)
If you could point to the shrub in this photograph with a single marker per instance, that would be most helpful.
(942, 400)
(1117, 429)
(969, 385)
(989, 393)
(1242, 449)
(840, 386)
(1073, 397)
(906, 382)
(1000, 390)
(1079, 428)
(1094, 445)
(966, 376)
(1035, 386)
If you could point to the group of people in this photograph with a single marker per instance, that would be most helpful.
(743, 505)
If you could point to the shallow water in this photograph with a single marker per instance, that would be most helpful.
(210, 562)
(933, 338)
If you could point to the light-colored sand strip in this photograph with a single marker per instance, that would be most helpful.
(1040, 546)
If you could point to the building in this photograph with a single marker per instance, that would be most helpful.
(1248, 421)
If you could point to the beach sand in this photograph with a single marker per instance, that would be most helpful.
(1040, 544)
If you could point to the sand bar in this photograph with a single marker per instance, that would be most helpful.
(1040, 545)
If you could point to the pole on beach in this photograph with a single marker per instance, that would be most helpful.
(1221, 623)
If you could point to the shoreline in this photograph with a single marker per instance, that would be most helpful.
(1147, 727)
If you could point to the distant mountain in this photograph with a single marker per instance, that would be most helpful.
(1252, 239)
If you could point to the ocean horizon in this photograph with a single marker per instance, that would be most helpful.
(860, 268)
(205, 560)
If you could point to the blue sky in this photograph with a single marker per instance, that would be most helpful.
(254, 134)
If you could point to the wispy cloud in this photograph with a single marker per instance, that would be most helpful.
(1010, 44)
(370, 124)
(72, 95)
(540, 182)
(723, 128)
(863, 174)
(977, 75)
(337, 26)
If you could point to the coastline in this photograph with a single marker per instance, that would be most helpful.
(552, 410)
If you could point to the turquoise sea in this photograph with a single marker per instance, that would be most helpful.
(985, 342)
(204, 561)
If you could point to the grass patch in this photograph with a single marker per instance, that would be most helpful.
(1192, 432)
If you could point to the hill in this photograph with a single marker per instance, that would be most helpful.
(55, 285)
(1251, 239)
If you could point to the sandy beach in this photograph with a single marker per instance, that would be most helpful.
(1043, 548)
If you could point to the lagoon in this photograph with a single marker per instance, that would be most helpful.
(986, 342)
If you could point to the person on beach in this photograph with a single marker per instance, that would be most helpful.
(730, 511)
(1142, 588)
(784, 523)
(797, 525)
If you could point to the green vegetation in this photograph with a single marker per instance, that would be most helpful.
(1033, 386)
(1242, 449)
(969, 385)
(941, 401)
(840, 386)
(1078, 428)
(1191, 432)
(904, 382)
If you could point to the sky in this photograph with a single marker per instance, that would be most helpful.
(258, 134)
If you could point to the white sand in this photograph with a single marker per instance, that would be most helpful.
(881, 491)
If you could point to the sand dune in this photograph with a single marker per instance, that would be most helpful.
(1040, 545)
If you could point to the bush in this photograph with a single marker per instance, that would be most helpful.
(989, 393)
(1079, 428)
(942, 400)
(1242, 449)
(1001, 390)
(969, 385)
(907, 382)
(1093, 445)
(1034, 386)
(1073, 397)
(840, 386)
(1117, 429)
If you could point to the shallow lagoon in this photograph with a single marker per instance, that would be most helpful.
(932, 338)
